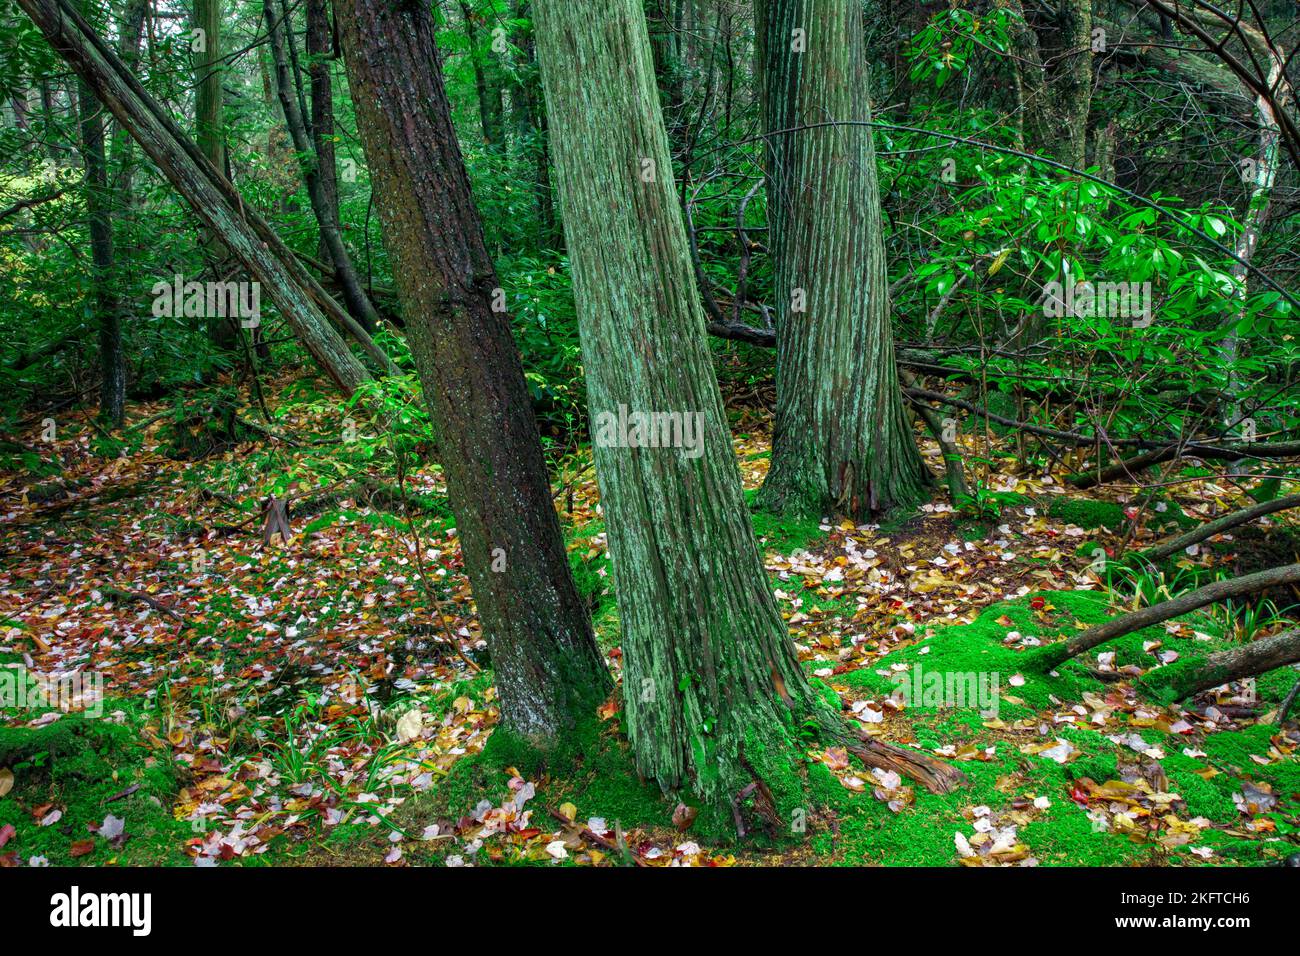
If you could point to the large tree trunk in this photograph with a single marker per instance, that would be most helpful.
(215, 202)
(549, 672)
(842, 440)
(711, 682)
(108, 306)
(318, 193)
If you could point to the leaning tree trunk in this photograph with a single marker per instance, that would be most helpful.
(711, 683)
(108, 306)
(358, 302)
(213, 199)
(549, 672)
(842, 440)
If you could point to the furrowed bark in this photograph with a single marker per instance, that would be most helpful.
(549, 673)
(247, 236)
(841, 439)
(710, 676)
(1050, 656)
(712, 687)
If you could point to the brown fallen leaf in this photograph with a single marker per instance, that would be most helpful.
(6, 780)
(81, 848)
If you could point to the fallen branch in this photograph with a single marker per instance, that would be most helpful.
(154, 603)
(935, 775)
(1050, 656)
(1223, 523)
(1128, 467)
(1257, 657)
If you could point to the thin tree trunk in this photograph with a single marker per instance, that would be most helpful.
(108, 306)
(487, 84)
(549, 672)
(1261, 175)
(358, 303)
(841, 440)
(711, 683)
(213, 199)
(320, 53)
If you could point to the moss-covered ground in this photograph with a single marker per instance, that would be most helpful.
(325, 702)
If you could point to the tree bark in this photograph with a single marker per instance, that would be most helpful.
(318, 193)
(108, 306)
(841, 439)
(213, 199)
(711, 682)
(549, 672)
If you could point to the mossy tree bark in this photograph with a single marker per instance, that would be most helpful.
(711, 687)
(549, 672)
(842, 440)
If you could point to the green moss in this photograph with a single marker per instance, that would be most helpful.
(1232, 750)
(783, 534)
(85, 768)
(1087, 513)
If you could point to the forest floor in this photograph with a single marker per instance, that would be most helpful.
(300, 703)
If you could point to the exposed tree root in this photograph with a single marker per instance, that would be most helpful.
(933, 774)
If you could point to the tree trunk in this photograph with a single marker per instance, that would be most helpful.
(108, 307)
(841, 440)
(711, 684)
(210, 137)
(487, 83)
(203, 187)
(320, 53)
(354, 295)
(549, 672)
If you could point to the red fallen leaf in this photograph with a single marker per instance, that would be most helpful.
(1037, 603)
(529, 833)
(81, 848)
(6, 833)
(9, 859)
